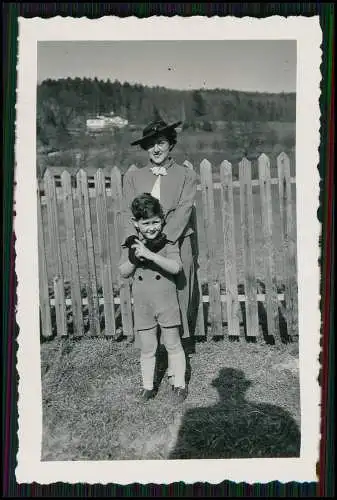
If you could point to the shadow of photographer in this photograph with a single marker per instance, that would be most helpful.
(236, 427)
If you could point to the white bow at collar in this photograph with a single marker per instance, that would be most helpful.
(159, 170)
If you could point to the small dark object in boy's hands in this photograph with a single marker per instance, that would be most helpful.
(131, 240)
(157, 244)
(153, 245)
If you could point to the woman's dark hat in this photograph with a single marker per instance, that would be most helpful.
(155, 129)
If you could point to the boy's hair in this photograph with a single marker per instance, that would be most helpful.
(145, 206)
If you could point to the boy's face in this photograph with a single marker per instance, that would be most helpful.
(149, 228)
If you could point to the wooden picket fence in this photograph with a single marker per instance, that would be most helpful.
(58, 303)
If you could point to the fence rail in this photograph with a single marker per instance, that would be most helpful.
(92, 192)
(71, 206)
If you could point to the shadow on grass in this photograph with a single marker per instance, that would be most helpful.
(235, 427)
(270, 339)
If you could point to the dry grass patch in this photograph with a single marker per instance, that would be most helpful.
(243, 401)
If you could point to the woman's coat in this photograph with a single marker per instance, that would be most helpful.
(177, 197)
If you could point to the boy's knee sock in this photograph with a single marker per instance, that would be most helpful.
(147, 364)
(178, 364)
(170, 372)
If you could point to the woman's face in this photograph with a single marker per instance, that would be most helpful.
(159, 149)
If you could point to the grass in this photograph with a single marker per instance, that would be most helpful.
(243, 402)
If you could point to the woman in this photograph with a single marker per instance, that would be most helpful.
(175, 187)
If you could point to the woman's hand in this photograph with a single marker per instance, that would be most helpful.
(141, 252)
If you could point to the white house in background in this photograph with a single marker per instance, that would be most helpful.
(96, 124)
(118, 121)
(100, 123)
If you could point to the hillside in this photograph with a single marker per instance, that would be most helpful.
(68, 102)
(218, 123)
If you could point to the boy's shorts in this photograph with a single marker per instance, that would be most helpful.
(158, 306)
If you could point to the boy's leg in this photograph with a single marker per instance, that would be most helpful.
(148, 347)
(176, 355)
(170, 373)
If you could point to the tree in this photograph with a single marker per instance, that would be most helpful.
(228, 109)
(199, 106)
(232, 139)
(207, 126)
(289, 141)
(156, 114)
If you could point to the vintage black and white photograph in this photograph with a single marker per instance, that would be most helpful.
(174, 243)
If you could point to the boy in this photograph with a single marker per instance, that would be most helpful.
(154, 264)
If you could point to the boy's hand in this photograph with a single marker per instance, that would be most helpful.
(129, 244)
(141, 252)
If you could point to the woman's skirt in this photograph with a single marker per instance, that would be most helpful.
(187, 287)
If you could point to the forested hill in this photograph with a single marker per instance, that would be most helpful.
(69, 102)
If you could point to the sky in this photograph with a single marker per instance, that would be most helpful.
(247, 65)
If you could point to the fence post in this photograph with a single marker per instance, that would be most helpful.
(195, 251)
(248, 239)
(211, 240)
(288, 243)
(110, 202)
(271, 300)
(54, 241)
(43, 277)
(89, 255)
(104, 254)
(72, 254)
(227, 204)
(124, 284)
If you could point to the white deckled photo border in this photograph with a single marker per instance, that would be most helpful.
(307, 32)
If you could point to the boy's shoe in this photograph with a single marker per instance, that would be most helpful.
(171, 381)
(180, 394)
(147, 394)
